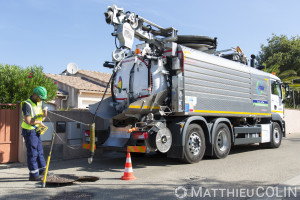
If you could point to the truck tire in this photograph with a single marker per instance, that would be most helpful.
(194, 147)
(276, 136)
(222, 141)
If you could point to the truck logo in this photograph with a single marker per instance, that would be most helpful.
(119, 86)
(259, 87)
(260, 103)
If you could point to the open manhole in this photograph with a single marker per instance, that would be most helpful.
(87, 179)
(67, 179)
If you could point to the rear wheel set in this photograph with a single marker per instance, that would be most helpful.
(195, 144)
(194, 148)
(222, 141)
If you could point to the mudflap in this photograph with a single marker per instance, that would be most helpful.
(102, 136)
(176, 150)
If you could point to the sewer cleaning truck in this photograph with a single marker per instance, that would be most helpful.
(176, 94)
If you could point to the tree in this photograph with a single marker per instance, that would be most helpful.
(17, 84)
(282, 56)
(281, 51)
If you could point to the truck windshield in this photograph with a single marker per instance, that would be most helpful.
(276, 89)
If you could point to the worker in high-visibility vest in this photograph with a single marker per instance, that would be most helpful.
(34, 112)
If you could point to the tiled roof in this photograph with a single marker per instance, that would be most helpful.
(77, 82)
(96, 75)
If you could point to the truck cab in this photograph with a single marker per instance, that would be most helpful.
(279, 93)
(276, 96)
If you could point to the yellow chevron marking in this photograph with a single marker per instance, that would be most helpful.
(87, 146)
(136, 149)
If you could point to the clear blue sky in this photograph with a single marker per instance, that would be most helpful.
(52, 33)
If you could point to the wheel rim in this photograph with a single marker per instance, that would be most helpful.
(276, 135)
(222, 140)
(194, 143)
(163, 140)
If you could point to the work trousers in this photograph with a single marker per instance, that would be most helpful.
(35, 154)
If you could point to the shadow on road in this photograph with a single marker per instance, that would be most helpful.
(246, 148)
(293, 139)
(115, 161)
(19, 179)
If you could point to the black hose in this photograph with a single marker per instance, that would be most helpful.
(94, 119)
(131, 83)
(116, 43)
(113, 96)
(196, 39)
(92, 127)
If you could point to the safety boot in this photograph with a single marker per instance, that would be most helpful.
(35, 178)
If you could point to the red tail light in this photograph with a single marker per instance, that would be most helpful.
(136, 135)
(145, 135)
(87, 133)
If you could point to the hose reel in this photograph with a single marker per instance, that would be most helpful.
(160, 138)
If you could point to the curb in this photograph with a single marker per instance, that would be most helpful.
(12, 165)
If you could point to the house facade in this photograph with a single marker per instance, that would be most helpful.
(79, 90)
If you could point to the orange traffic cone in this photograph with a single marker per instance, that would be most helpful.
(128, 173)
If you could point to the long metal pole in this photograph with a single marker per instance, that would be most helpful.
(92, 142)
(48, 160)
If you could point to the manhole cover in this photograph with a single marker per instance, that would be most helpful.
(61, 179)
(67, 179)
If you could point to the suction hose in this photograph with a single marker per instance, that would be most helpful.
(92, 125)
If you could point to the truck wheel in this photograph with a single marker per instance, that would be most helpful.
(194, 147)
(222, 141)
(276, 136)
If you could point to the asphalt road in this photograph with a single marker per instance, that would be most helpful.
(249, 172)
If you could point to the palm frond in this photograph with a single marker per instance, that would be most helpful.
(290, 79)
(287, 73)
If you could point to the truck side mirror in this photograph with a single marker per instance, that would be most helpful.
(252, 61)
(287, 90)
(261, 67)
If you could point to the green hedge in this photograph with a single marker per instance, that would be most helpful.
(17, 84)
